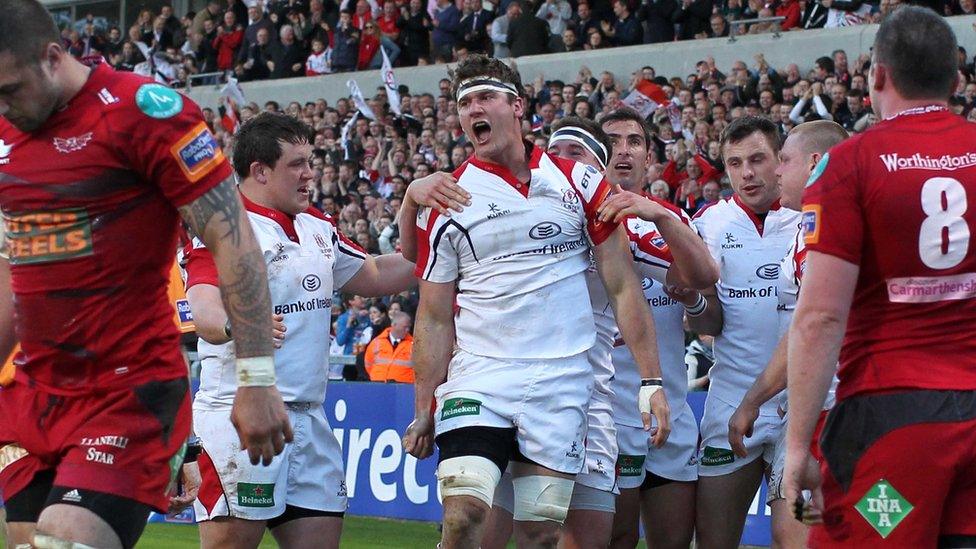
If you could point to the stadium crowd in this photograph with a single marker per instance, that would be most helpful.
(257, 40)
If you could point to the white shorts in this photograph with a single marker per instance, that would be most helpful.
(307, 474)
(715, 457)
(601, 445)
(544, 400)
(677, 460)
(775, 485)
(584, 497)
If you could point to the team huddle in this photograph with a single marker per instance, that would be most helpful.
(549, 340)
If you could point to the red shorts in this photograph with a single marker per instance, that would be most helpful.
(899, 470)
(127, 443)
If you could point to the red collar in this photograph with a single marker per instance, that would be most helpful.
(752, 215)
(285, 221)
(534, 153)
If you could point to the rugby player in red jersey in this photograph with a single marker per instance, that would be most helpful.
(96, 169)
(889, 287)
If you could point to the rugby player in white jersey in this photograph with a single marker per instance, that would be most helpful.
(748, 235)
(301, 495)
(804, 147)
(592, 509)
(518, 384)
(657, 484)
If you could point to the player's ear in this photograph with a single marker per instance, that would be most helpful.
(519, 104)
(878, 75)
(814, 160)
(259, 172)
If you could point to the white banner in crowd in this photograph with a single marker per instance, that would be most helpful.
(359, 100)
(390, 83)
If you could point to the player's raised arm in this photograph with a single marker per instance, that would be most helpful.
(218, 219)
(613, 260)
(432, 349)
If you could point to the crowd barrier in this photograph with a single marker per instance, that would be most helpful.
(384, 481)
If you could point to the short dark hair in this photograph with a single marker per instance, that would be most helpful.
(919, 50)
(26, 29)
(825, 63)
(623, 114)
(741, 128)
(589, 125)
(482, 65)
(260, 138)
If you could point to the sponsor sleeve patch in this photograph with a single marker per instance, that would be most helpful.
(810, 223)
(158, 101)
(197, 152)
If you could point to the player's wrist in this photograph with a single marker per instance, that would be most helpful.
(649, 386)
(256, 371)
(697, 308)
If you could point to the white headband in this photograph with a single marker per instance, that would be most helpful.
(584, 138)
(482, 83)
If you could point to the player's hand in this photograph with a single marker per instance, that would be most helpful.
(622, 204)
(278, 330)
(190, 479)
(418, 441)
(261, 422)
(802, 472)
(740, 425)
(685, 296)
(440, 191)
(662, 414)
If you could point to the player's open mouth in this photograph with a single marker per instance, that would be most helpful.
(304, 190)
(624, 167)
(482, 131)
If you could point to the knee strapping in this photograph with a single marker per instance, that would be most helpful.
(472, 476)
(539, 498)
(44, 541)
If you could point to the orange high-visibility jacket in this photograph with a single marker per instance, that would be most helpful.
(386, 363)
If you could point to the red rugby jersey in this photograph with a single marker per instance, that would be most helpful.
(89, 205)
(900, 201)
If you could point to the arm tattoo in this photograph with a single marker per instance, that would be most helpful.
(248, 305)
(220, 202)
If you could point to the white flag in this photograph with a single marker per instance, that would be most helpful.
(357, 98)
(344, 137)
(646, 98)
(390, 83)
(232, 90)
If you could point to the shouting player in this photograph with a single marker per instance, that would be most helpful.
(96, 168)
(804, 147)
(748, 236)
(515, 260)
(301, 496)
(890, 288)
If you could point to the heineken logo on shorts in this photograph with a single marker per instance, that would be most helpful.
(255, 495)
(883, 507)
(630, 466)
(716, 456)
(159, 101)
(456, 407)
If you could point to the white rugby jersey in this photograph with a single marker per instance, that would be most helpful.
(518, 254)
(307, 258)
(748, 252)
(790, 276)
(652, 259)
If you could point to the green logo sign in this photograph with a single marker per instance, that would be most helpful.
(818, 170)
(883, 507)
(456, 407)
(716, 456)
(630, 466)
(158, 101)
(255, 495)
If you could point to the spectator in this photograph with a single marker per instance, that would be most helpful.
(657, 17)
(345, 52)
(474, 27)
(162, 38)
(626, 30)
(389, 20)
(660, 190)
(813, 15)
(447, 27)
(719, 27)
(584, 20)
(557, 14)
(229, 37)
(287, 56)
(569, 42)
(790, 9)
(259, 63)
(112, 45)
(693, 17)
(369, 45)
(388, 357)
(499, 30)
(363, 14)
(206, 53)
(211, 13)
(351, 324)
(379, 316)
(320, 60)
(595, 41)
(256, 21)
(416, 24)
(527, 35)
